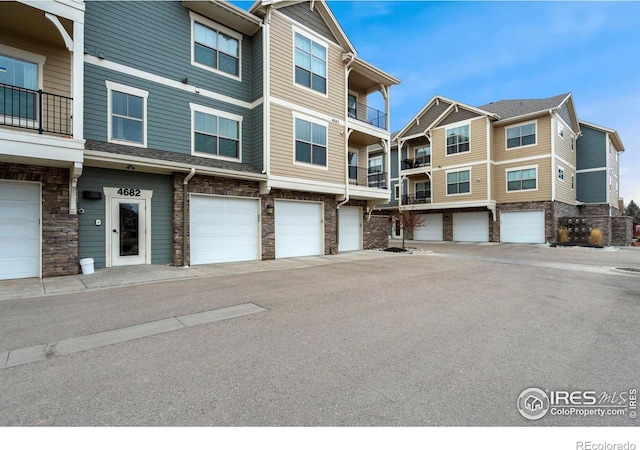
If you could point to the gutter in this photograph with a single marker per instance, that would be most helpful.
(185, 215)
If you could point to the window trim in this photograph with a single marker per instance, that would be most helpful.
(450, 127)
(514, 169)
(317, 40)
(446, 182)
(214, 112)
(219, 28)
(573, 182)
(129, 90)
(415, 187)
(316, 121)
(519, 125)
(561, 172)
(560, 128)
(30, 57)
(396, 191)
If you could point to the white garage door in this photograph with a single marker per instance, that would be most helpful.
(298, 228)
(224, 229)
(19, 230)
(522, 226)
(431, 228)
(471, 227)
(349, 227)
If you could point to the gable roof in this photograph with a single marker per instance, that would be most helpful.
(615, 138)
(260, 8)
(432, 121)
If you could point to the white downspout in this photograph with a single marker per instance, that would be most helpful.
(347, 132)
(266, 94)
(185, 215)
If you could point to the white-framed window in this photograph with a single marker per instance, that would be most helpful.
(617, 187)
(459, 182)
(522, 179)
(214, 47)
(396, 191)
(458, 139)
(423, 155)
(573, 143)
(573, 181)
(310, 68)
(352, 105)
(21, 74)
(422, 190)
(521, 135)
(561, 173)
(126, 114)
(215, 133)
(561, 129)
(310, 146)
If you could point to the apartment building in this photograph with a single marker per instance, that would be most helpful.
(501, 172)
(598, 169)
(201, 133)
(41, 136)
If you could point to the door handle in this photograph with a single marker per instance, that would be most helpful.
(115, 231)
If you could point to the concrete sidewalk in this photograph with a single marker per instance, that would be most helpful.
(134, 275)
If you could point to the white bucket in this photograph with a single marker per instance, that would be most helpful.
(87, 265)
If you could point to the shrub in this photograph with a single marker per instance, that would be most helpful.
(563, 234)
(596, 236)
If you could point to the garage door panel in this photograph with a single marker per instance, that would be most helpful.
(224, 230)
(471, 227)
(522, 226)
(298, 227)
(19, 230)
(430, 229)
(349, 227)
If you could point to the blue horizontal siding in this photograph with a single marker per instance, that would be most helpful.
(591, 187)
(168, 112)
(92, 239)
(155, 36)
(591, 149)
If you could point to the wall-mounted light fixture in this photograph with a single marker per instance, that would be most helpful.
(269, 208)
(130, 167)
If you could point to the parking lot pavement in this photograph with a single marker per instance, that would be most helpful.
(426, 339)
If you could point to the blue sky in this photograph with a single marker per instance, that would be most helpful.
(479, 52)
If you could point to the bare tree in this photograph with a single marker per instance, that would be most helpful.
(409, 220)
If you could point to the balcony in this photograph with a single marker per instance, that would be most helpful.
(419, 198)
(35, 110)
(415, 163)
(367, 114)
(360, 176)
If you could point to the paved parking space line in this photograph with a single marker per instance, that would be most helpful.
(42, 352)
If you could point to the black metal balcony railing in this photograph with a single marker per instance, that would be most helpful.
(372, 116)
(360, 176)
(377, 180)
(420, 197)
(35, 110)
(414, 163)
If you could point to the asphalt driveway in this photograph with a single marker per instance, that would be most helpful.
(450, 335)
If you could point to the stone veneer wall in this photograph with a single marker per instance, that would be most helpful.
(621, 230)
(59, 228)
(597, 210)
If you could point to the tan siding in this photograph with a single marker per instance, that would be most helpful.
(478, 140)
(282, 70)
(478, 188)
(282, 150)
(544, 182)
(57, 66)
(542, 147)
(562, 147)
